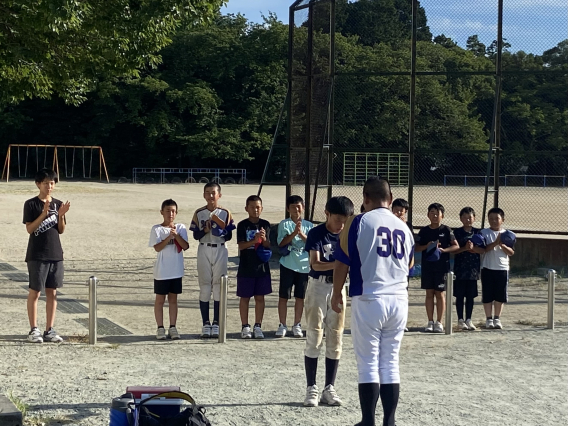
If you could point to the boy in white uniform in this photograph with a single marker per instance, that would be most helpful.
(169, 239)
(212, 226)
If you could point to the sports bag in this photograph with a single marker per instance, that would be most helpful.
(191, 416)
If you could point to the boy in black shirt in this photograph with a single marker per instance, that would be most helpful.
(437, 241)
(253, 276)
(320, 244)
(44, 218)
(466, 268)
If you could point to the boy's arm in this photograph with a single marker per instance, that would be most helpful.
(194, 227)
(181, 238)
(508, 250)
(34, 225)
(161, 245)
(283, 235)
(494, 244)
(454, 247)
(317, 264)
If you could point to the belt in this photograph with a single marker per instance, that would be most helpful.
(212, 245)
(325, 279)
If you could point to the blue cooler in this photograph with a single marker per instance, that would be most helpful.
(120, 410)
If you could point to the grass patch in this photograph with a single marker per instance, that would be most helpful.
(47, 421)
(20, 405)
(531, 323)
(78, 338)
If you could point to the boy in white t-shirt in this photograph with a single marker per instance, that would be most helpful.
(168, 239)
(495, 267)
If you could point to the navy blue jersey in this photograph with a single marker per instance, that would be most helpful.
(466, 264)
(323, 241)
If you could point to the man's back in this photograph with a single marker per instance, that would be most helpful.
(379, 246)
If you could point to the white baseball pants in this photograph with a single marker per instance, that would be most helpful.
(319, 315)
(377, 327)
(211, 266)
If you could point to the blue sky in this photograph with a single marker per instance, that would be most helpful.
(530, 25)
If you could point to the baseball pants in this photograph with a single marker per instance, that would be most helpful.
(211, 266)
(377, 327)
(319, 315)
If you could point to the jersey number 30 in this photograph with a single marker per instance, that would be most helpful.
(390, 243)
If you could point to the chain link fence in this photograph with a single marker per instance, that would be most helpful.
(440, 99)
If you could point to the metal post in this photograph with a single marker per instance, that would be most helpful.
(223, 310)
(551, 286)
(449, 297)
(412, 105)
(93, 282)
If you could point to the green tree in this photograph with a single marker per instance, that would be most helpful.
(65, 47)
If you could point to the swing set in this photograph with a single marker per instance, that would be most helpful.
(37, 155)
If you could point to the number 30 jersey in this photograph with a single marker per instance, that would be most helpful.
(378, 247)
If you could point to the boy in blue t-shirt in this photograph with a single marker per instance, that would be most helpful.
(320, 245)
(466, 268)
(294, 266)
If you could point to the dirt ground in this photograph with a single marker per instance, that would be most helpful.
(515, 376)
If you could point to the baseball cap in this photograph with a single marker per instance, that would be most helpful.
(284, 251)
(432, 252)
(263, 253)
(477, 240)
(508, 238)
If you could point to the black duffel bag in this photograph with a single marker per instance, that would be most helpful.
(191, 416)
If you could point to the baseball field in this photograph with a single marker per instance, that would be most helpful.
(514, 376)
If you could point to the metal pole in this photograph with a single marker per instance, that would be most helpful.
(412, 105)
(449, 297)
(93, 282)
(223, 310)
(551, 286)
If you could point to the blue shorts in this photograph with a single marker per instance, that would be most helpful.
(248, 287)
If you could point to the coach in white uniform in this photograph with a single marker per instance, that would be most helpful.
(377, 248)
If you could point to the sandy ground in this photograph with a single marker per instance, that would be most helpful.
(516, 376)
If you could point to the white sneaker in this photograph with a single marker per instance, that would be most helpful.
(297, 330)
(215, 330)
(329, 396)
(258, 334)
(438, 327)
(469, 323)
(462, 325)
(206, 330)
(161, 333)
(52, 336)
(173, 333)
(34, 336)
(311, 396)
(246, 333)
(489, 323)
(430, 327)
(281, 332)
(497, 324)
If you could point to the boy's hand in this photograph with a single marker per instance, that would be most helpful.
(45, 210)
(218, 221)
(298, 228)
(63, 209)
(173, 233)
(261, 235)
(336, 302)
(207, 227)
(469, 246)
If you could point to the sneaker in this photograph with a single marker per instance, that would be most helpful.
(215, 330)
(311, 396)
(173, 333)
(438, 327)
(469, 323)
(34, 336)
(329, 396)
(430, 327)
(489, 323)
(52, 336)
(206, 330)
(497, 324)
(282, 329)
(246, 333)
(258, 334)
(462, 325)
(161, 333)
(297, 330)
(405, 329)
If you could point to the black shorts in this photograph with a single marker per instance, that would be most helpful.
(289, 279)
(494, 285)
(433, 280)
(45, 275)
(164, 287)
(465, 288)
